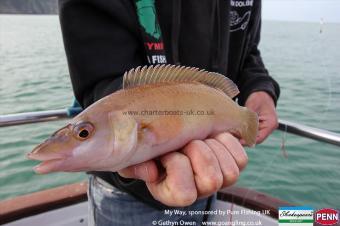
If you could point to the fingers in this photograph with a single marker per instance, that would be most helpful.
(216, 163)
(234, 147)
(268, 123)
(206, 167)
(178, 187)
(262, 135)
(228, 166)
(146, 171)
(201, 170)
(262, 103)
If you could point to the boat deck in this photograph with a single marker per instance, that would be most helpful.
(67, 206)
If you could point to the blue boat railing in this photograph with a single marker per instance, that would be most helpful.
(52, 115)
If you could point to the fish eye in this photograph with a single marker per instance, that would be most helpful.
(84, 133)
(83, 130)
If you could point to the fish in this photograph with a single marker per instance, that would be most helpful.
(158, 110)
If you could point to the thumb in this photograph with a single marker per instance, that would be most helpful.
(146, 171)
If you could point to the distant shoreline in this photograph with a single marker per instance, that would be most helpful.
(266, 20)
(300, 21)
(29, 14)
(29, 7)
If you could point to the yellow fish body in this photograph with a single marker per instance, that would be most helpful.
(160, 109)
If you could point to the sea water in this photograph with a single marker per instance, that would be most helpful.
(34, 77)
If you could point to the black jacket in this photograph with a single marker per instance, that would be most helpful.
(102, 40)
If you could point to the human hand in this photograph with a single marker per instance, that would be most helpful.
(200, 169)
(263, 104)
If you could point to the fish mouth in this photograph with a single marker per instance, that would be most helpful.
(47, 151)
(50, 163)
(39, 157)
(49, 166)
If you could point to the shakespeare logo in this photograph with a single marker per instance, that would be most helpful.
(296, 216)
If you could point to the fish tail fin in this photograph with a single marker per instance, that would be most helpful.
(249, 129)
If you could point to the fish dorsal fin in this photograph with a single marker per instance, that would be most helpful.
(171, 73)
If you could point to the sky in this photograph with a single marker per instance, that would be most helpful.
(301, 10)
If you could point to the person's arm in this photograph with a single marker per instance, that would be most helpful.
(101, 43)
(253, 75)
(258, 91)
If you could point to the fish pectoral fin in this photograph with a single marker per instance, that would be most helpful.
(124, 129)
(160, 130)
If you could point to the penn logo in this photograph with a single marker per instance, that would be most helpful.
(327, 217)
